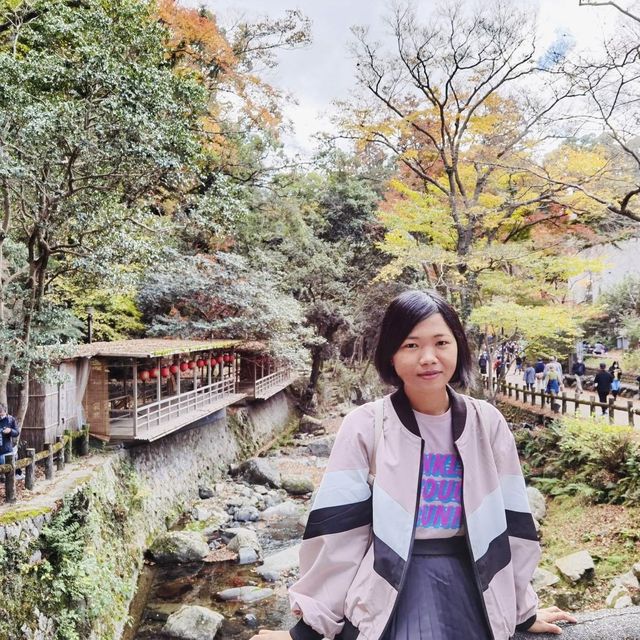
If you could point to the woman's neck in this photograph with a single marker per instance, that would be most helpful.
(433, 404)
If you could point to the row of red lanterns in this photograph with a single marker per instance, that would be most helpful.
(166, 371)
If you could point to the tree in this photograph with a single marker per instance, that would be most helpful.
(448, 106)
(93, 127)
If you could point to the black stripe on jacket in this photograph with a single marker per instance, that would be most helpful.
(328, 520)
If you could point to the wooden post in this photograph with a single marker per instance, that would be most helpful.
(68, 447)
(592, 406)
(84, 441)
(564, 402)
(135, 398)
(517, 392)
(48, 468)
(611, 411)
(552, 402)
(525, 391)
(60, 457)
(179, 382)
(533, 397)
(10, 479)
(630, 412)
(576, 402)
(510, 389)
(30, 470)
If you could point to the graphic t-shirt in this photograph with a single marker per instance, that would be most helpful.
(440, 510)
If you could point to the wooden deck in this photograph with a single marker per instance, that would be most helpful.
(157, 419)
(267, 386)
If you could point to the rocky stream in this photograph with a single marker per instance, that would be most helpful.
(225, 568)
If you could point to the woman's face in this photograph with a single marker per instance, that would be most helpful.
(428, 356)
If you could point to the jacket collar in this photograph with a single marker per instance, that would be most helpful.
(402, 407)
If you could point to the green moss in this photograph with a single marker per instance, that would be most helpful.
(20, 513)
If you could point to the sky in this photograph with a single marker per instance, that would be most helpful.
(323, 72)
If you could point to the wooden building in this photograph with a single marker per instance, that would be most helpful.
(142, 390)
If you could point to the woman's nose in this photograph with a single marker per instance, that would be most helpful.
(427, 355)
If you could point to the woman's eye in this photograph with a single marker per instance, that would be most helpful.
(410, 345)
(442, 343)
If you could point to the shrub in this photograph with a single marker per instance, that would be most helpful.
(585, 457)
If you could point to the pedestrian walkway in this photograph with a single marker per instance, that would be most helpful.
(621, 414)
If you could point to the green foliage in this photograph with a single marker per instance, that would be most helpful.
(589, 458)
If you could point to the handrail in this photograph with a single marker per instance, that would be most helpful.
(63, 447)
(278, 377)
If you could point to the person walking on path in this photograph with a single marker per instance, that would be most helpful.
(539, 367)
(529, 376)
(483, 362)
(578, 371)
(10, 430)
(377, 563)
(616, 383)
(602, 384)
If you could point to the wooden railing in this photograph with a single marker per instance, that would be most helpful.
(61, 451)
(153, 415)
(262, 385)
(560, 402)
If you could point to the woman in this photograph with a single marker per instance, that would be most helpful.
(616, 382)
(446, 546)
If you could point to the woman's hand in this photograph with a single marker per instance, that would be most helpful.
(545, 619)
(265, 634)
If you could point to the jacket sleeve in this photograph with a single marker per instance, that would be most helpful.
(523, 538)
(337, 534)
(15, 430)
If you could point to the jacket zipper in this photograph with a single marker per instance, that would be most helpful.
(413, 537)
(476, 575)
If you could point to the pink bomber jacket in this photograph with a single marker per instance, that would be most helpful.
(358, 542)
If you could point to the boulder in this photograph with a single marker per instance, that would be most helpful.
(287, 509)
(278, 564)
(179, 547)
(627, 580)
(193, 623)
(247, 555)
(618, 598)
(576, 566)
(245, 594)
(321, 447)
(244, 539)
(636, 569)
(309, 424)
(543, 578)
(205, 492)
(297, 485)
(246, 513)
(537, 503)
(260, 471)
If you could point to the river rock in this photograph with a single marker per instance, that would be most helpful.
(193, 623)
(179, 546)
(205, 492)
(628, 580)
(321, 447)
(576, 566)
(247, 555)
(260, 471)
(246, 513)
(619, 598)
(297, 485)
(543, 578)
(636, 569)
(244, 539)
(245, 594)
(278, 564)
(250, 620)
(537, 503)
(309, 424)
(286, 509)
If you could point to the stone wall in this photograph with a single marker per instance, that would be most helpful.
(81, 543)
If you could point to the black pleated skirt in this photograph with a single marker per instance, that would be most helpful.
(440, 599)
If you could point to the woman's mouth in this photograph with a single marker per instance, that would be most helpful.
(429, 375)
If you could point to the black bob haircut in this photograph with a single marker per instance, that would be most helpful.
(402, 315)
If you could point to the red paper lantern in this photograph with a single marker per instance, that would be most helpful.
(232, 358)
(174, 368)
(213, 361)
(200, 363)
(144, 375)
(220, 359)
(225, 357)
(183, 366)
(192, 364)
(164, 372)
(153, 373)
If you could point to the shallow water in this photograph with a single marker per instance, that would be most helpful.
(163, 589)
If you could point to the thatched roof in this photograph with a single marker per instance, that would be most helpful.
(151, 347)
